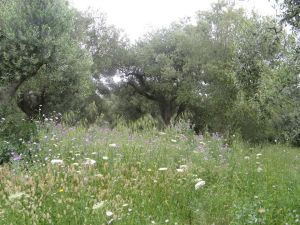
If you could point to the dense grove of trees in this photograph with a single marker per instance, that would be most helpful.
(231, 72)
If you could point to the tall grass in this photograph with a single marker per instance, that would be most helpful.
(149, 177)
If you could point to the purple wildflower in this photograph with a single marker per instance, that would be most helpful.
(16, 157)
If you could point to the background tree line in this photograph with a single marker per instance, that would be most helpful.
(231, 72)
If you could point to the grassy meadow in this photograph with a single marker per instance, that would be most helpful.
(102, 176)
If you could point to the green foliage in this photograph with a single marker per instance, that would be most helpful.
(42, 56)
(15, 132)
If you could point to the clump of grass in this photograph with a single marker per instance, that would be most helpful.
(149, 177)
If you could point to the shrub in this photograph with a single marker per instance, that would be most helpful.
(15, 132)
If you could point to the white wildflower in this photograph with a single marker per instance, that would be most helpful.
(109, 213)
(180, 170)
(184, 167)
(259, 169)
(89, 161)
(163, 169)
(113, 145)
(105, 158)
(17, 195)
(200, 183)
(98, 205)
(246, 157)
(173, 140)
(57, 161)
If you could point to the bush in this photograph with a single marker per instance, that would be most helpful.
(15, 132)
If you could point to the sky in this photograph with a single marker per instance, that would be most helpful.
(137, 17)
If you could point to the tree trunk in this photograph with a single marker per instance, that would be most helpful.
(8, 92)
(167, 110)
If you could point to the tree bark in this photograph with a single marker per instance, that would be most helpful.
(167, 111)
(8, 92)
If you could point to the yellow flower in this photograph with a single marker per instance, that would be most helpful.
(61, 190)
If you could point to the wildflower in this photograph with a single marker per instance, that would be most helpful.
(109, 213)
(17, 195)
(259, 169)
(105, 158)
(173, 140)
(16, 157)
(57, 161)
(261, 210)
(184, 167)
(167, 221)
(200, 183)
(258, 155)
(89, 162)
(180, 170)
(246, 157)
(98, 205)
(61, 190)
(113, 145)
(163, 169)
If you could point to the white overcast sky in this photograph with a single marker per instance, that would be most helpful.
(136, 17)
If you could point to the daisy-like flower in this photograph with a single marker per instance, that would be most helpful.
(89, 162)
(98, 205)
(113, 145)
(200, 183)
(57, 161)
(109, 213)
(261, 210)
(258, 155)
(259, 169)
(184, 167)
(17, 195)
